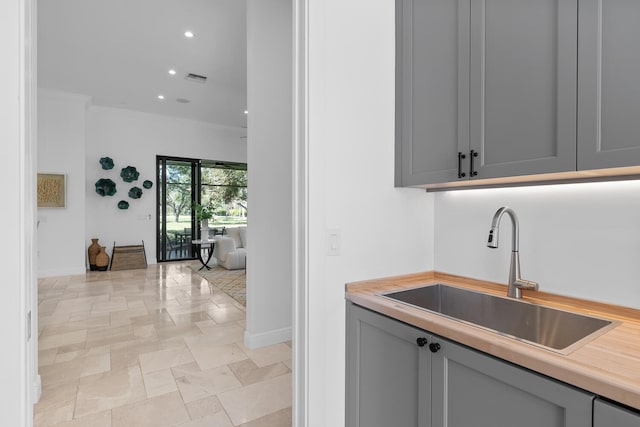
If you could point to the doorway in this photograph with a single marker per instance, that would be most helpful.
(183, 184)
(177, 193)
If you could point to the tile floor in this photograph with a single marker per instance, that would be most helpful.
(155, 347)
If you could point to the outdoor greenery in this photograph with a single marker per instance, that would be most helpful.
(223, 196)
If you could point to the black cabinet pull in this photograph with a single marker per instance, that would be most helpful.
(434, 347)
(460, 157)
(421, 342)
(473, 172)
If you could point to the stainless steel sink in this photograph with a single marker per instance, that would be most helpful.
(554, 329)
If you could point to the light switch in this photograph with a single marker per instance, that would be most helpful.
(333, 242)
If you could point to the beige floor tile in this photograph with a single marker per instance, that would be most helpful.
(217, 420)
(53, 416)
(280, 418)
(114, 304)
(190, 318)
(108, 335)
(166, 410)
(268, 355)
(58, 396)
(227, 314)
(106, 391)
(207, 383)
(145, 331)
(257, 400)
(188, 369)
(71, 326)
(101, 419)
(71, 355)
(159, 382)
(211, 356)
(204, 407)
(60, 340)
(217, 334)
(126, 315)
(165, 359)
(249, 373)
(47, 357)
(288, 364)
(75, 369)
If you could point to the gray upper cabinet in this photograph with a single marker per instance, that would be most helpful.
(607, 414)
(473, 389)
(609, 92)
(523, 86)
(491, 77)
(387, 372)
(432, 89)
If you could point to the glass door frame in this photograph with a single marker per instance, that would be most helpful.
(161, 205)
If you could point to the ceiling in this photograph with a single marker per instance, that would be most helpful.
(120, 52)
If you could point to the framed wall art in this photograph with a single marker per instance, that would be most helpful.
(51, 190)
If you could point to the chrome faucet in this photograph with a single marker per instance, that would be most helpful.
(516, 283)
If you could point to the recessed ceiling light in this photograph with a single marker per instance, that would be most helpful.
(160, 96)
(188, 34)
(246, 111)
(172, 72)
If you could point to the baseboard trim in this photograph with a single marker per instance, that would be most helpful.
(70, 271)
(262, 339)
(36, 389)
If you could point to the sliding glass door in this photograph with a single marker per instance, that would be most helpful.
(182, 183)
(177, 192)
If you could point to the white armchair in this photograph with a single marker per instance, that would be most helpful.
(231, 249)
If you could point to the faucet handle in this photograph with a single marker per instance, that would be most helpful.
(526, 284)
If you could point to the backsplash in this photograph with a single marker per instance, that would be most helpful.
(581, 240)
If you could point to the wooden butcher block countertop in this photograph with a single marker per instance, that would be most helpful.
(608, 365)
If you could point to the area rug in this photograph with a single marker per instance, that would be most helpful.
(231, 282)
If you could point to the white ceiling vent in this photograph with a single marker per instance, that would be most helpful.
(196, 78)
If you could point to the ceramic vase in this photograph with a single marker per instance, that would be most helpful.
(204, 230)
(102, 260)
(93, 250)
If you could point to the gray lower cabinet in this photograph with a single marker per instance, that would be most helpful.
(392, 381)
(607, 414)
(387, 372)
(473, 389)
(608, 91)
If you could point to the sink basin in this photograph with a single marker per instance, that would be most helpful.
(551, 328)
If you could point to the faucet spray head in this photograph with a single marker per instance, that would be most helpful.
(492, 242)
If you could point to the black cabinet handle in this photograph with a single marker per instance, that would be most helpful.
(460, 157)
(434, 347)
(421, 342)
(473, 172)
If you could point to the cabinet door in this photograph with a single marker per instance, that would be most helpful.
(523, 86)
(609, 93)
(388, 374)
(474, 389)
(606, 414)
(432, 87)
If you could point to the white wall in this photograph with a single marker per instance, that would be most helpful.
(134, 139)
(269, 151)
(61, 149)
(384, 230)
(581, 240)
(18, 358)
